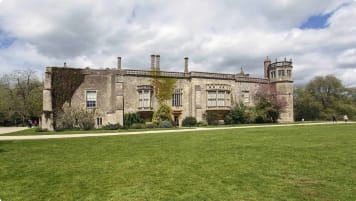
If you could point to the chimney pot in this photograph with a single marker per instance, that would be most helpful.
(186, 59)
(119, 63)
(153, 59)
(158, 58)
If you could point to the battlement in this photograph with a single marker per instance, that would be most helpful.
(281, 64)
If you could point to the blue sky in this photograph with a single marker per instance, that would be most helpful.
(316, 22)
(216, 35)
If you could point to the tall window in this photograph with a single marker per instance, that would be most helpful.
(99, 121)
(211, 98)
(289, 73)
(177, 98)
(218, 98)
(91, 99)
(280, 73)
(245, 97)
(144, 98)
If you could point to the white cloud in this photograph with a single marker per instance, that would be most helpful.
(219, 36)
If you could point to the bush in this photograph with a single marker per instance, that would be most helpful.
(138, 126)
(72, 118)
(202, 123)
(86, 120)
(237, 115)
(132, 118)
(165, 124)
(164, 112)
(111, 126)
(189, 121)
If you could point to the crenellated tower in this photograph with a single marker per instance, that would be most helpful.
(279, 74)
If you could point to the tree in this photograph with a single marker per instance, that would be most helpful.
(323, 97)
(29, 90)
(306, 106)
(21, 94)
(268, 106)
(326, 89)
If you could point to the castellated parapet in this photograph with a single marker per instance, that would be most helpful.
(113, 92)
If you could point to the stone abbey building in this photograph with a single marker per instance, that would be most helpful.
(114, 92)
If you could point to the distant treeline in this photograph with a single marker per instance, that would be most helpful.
(323, 97)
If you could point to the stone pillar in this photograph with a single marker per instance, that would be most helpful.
(65, 64)
(47, 116)
(119, 63)
(153, 60)
(186, 64)
(266, 64)
(119, 99)
(158, 58)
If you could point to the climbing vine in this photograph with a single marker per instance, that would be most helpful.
(64, 83)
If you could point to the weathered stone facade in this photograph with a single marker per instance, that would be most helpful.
(114, 92)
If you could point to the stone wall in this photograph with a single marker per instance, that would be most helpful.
(117, 93)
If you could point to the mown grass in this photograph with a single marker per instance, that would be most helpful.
(32, 131)
(284, 163)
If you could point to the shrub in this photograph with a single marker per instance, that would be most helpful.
(86, 120)
(72, 118)
(165, 124)
(164, 112)
(138, 126)
(237, 115)
(110, 126)
(189, 121)
(202, 123)
(132, 118)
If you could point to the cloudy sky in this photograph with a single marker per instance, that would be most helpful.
(216, 35)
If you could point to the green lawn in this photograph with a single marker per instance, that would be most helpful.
(284, 163)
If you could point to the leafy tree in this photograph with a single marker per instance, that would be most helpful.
(323, 97)
(326, 89)
(21, 94)
(305, 105)
(268, 106)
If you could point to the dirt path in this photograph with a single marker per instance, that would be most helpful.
(55, 136)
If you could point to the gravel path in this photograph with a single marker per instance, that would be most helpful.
(55, 136)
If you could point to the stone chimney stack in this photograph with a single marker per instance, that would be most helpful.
(119, 63)
(158, 58)
(65, 65)
(153, 60)
(186, 64)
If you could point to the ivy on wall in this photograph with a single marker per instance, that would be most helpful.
(64, 83)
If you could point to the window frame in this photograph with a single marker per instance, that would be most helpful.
(89, 101)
